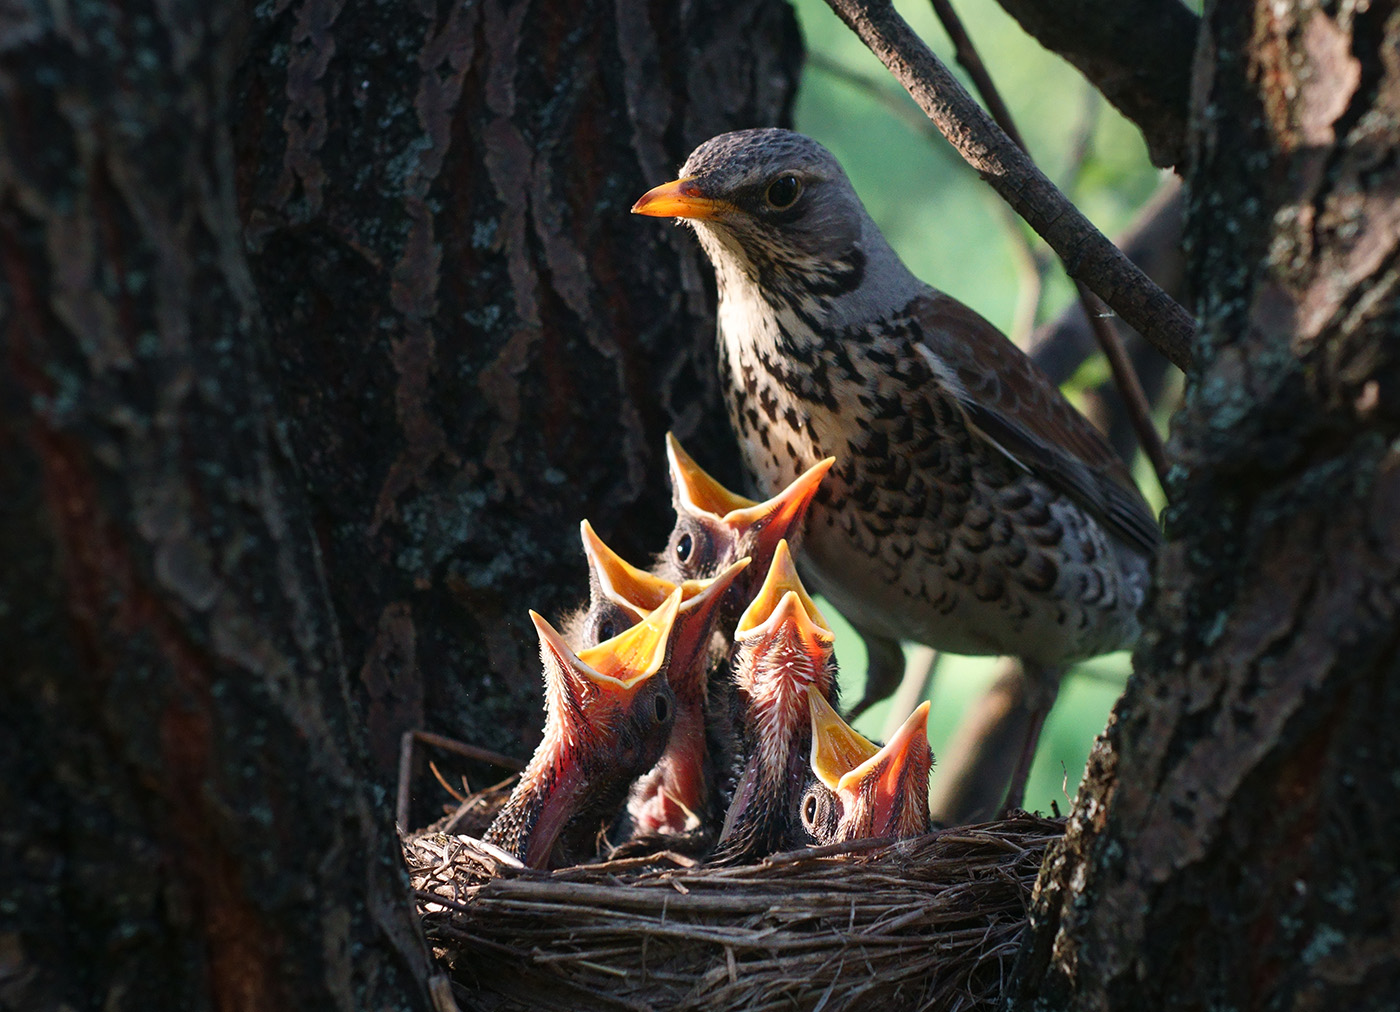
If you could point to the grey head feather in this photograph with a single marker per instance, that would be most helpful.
(787, 253)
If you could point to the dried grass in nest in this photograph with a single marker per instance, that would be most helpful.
(931, 923)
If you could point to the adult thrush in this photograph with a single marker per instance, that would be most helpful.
(971, 508)
(782, 647)
(860, 790)
(608, 715)
(673, 796)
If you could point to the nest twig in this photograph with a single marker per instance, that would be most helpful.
(924, 924)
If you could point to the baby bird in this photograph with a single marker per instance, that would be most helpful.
(714, 526)
(674, 796)
(782, 648)
(608, 716)
(859, 790)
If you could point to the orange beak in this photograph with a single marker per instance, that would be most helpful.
(837, 748)
(758, 526)
(631, 657)
(780, 517)
(782, 601)
(636, 591)
(695, 489)
(698, 492)
(680, 198)
(613, 670)
(900, 807)
(882, 792)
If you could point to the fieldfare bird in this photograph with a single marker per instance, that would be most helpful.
(674, 796)
(782, 646)
(972, 508)
(860, 790)
(608, 715)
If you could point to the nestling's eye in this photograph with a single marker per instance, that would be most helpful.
(661, 707)
(683, 547)
(606, 630)
(783, 192)
(809, 812)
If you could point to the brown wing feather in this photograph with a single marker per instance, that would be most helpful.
(1011, 400)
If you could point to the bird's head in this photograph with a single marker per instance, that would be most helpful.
(714, 526)
(782, 642)
(775, 210)
(859, 790)
(767, 203)
(621, 594)
(608, 715)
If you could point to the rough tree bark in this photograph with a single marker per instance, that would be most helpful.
(1234, 843)
(477, 345)
(182, 780)
(322, 325)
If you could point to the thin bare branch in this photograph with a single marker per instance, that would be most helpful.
(1153, 242)
(1126, 377)
(505, 762)
(1087, 254)
(874, 88)
(966, 54)
(1135, 401)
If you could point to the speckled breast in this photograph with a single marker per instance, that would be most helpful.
(924, 531)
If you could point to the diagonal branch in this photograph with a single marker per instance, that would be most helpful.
(1153, 242)
(1087, 254)
(1135, 402)
(1129, 386)
(875, 87)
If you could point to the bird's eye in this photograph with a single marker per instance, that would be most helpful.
(606, 630)
(783, 192)
(683, 547)
(661, 706)
(809, 812)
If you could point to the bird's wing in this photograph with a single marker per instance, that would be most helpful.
(1015, 405)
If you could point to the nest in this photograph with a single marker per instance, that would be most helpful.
(929, 923)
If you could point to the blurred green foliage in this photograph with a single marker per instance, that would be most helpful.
(953, 232)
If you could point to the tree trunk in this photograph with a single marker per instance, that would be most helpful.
(477, 345)
(183, 786)
(1233, 845)
(323, 325)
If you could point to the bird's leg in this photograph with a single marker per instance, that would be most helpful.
(883, 671)
(1042, 686)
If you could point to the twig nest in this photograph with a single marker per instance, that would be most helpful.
(928, 923)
